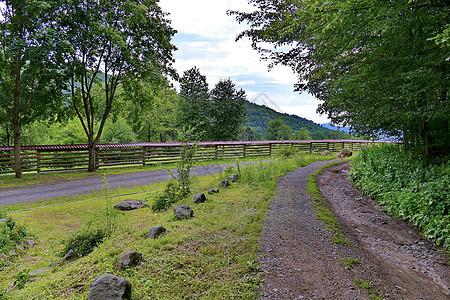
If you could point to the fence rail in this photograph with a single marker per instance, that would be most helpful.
(70, 157)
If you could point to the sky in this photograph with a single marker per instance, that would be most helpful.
(206, 39)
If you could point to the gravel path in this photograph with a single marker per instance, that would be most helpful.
(299, 260)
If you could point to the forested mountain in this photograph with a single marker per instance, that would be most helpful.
(259, 116)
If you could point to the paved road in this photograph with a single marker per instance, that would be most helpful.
(94, 183)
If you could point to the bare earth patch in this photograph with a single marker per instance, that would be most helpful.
(386, 258)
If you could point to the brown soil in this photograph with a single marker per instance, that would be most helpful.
(299, 260)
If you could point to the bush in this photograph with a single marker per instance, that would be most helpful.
(407, 188)
(83, 242)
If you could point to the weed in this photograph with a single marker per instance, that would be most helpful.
(170, 195)
(368, 287)
(22, 278)
(350, 262)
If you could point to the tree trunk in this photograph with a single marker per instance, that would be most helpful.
(91, 147)
(17, 162)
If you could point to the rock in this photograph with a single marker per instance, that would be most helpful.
(199, 198)
(110, 287)
(53, 264)
(224, 183)
(12, 253)
(31, 242)
(339, 155)
(3, 257)
(346, 153)
(183, 212)
(155, 231)
(213, 191)
(21, 247)
(233, 177)
(130, 204)
(71, 255)
(129, 259)
(326, 152)
(39, 271)
(2, 220)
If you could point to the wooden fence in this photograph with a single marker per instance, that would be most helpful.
(69, 157)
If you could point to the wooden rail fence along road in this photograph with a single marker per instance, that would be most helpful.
(63, 157)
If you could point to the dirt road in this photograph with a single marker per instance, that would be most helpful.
(386, 258)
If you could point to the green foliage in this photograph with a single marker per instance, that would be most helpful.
(181, 188)
(118, 131)
(407, 188)
(171, 195)
(350, 262)
(285, 152)
(380, 67)
(194, 104)
(22, 278)
(276, 130)
(228, 112)
(84, 242)
(11, 234)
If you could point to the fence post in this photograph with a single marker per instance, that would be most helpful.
(143, 155)
(38, 162)
(270, 149)
(244, 150)
(310, 147)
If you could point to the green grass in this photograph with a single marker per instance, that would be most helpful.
(211, 256)
(371, 292)
(323, 213)
(350, 262)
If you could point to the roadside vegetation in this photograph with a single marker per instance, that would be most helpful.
(212, 255)
(407, 188)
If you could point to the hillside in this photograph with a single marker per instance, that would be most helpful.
(259, 116)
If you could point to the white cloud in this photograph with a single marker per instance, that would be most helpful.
(206, 39)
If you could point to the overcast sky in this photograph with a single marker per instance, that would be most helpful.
(206, 39)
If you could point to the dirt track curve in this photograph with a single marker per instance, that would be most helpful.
(299, 261)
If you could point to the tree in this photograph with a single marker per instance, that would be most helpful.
(277, 130)
(302, 134)
(31, 52)
(380, 66)
(112, 42)
(228, 111)
(248, 133)
(194, 103)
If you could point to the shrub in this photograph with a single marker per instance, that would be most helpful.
(166, 199)
(83, 242)
(407, 188)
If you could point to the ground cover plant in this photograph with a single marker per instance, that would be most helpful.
(213, 255)
(408, 188)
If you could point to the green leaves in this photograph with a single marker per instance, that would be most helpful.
(408, 189)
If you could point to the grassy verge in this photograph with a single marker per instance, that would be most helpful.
(323, 213)
(214, 255)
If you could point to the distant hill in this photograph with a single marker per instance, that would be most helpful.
(329, 126)
(259, 116)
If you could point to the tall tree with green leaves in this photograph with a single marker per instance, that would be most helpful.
(381, 66)
(112, 42)
(31, 51)
(194, 104)
(228, 111)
